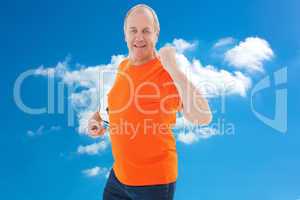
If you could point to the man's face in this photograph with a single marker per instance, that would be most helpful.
(141, 35)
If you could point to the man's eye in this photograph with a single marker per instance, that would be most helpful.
(133, 31)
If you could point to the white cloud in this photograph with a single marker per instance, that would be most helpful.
(55, 128)
(213, 82)
(224, 42)
(95, 171)
(196, 134)
(44, 72)
(92, 149)
(42, 130)
(182, 45)
(88, 86)
(58, 70)
(187, 138)
(250, 54)
(39, 131)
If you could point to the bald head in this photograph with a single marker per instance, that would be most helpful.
(142, 8)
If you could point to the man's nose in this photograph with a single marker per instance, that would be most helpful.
(139, 36)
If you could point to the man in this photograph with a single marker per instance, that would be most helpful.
(148, 91)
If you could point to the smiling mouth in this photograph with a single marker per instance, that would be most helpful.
(142, 46)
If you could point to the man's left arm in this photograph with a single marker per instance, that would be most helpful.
(195, 106)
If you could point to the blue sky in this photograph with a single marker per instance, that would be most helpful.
(44, 158)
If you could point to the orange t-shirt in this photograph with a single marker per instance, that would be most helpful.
(142, 108)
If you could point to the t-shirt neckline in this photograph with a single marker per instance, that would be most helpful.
(148, 63)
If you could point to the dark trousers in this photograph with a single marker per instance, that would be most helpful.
(115, 190)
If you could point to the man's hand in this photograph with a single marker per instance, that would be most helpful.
(95, 125)
(167, 56)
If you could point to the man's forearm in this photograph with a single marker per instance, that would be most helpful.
(195, 106)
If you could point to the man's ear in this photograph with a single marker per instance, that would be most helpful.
(157, 36)
(125, 39)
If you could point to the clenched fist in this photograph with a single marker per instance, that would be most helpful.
(96, 125)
